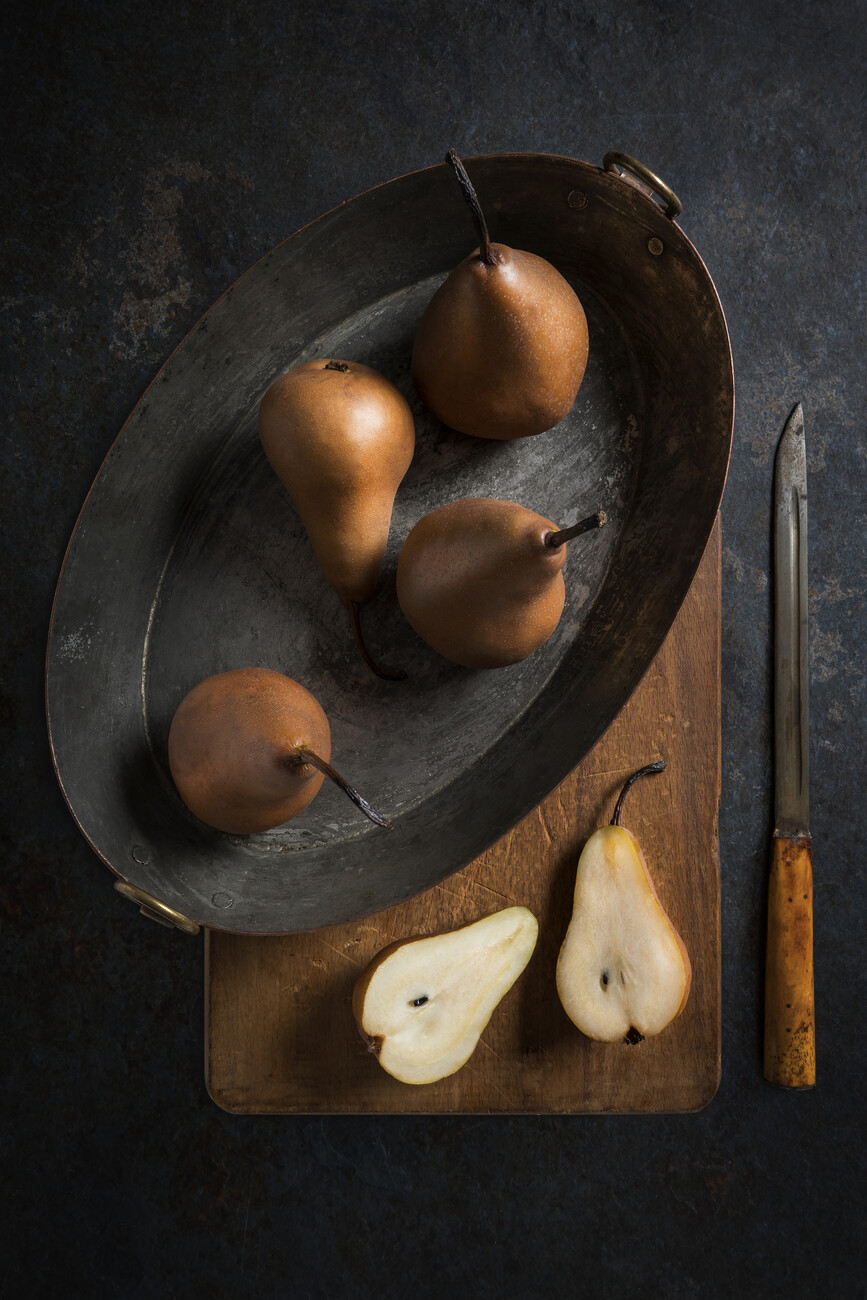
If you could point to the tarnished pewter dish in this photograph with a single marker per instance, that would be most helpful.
(188, 558)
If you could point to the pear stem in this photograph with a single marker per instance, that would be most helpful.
(599, 520)
(658, 766)
(302, 756)
(387, 674)
(486, 252)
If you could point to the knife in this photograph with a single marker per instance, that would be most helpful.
(790, 1050)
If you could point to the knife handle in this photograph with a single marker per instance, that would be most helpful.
(790, 1044)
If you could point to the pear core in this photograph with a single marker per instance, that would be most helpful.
(423, 1003)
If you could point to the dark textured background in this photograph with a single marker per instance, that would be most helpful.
(152, 152)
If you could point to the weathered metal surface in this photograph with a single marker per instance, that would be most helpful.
(791, 632)
(188, 558)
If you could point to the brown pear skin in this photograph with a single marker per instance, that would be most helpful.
(501, 349)
(249, 749)
(481, 582)
(340, 437)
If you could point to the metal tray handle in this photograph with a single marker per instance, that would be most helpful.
(619, 162)
(155, 910)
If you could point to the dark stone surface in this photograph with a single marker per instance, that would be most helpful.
(152, 153)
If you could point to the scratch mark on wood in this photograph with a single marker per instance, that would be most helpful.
(488, 1080)
(610, 771)
(543, 823)
(493, 1051)
(481, 884)
(454, 893)
(345, 955)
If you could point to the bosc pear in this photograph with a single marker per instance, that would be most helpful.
(502, 346)
(481, 580)
(249, 750)
(623, 972)
(423, 1002)
(340, 437)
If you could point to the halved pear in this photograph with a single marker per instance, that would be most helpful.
(423, 1002)
(623, 971)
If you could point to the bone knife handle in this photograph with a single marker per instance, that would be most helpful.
(790, 1043)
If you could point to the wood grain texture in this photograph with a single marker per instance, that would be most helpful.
(279, 1030)
(790, 1034)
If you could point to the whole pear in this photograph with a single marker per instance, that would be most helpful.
(340, 438)
(249, 749)
(502, 347)
(481, 581)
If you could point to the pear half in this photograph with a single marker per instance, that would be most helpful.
(423, 1002)
(623, 971)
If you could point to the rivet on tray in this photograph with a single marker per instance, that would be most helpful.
(655, 246)
(222, 900)
(141, 854)
(577, 199)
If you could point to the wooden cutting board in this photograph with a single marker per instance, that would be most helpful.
(279, 1030)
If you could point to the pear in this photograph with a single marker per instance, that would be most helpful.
(340, 437)
(480, 580)
(248, 750)
(501, 349)
(423, 1002)
(623, 972)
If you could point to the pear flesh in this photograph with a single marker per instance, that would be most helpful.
(478, 583)
(623, 967)
(423, 1003)
(340, 438)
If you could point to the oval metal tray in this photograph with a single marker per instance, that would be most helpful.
(188, 558)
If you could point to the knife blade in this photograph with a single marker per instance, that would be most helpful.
(790, 1051)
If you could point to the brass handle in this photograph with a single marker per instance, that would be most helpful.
(154, 909)
(617, 162)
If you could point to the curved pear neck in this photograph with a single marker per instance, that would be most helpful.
(659, 766)
(487, 252)
(302, 757)
(563, 535)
